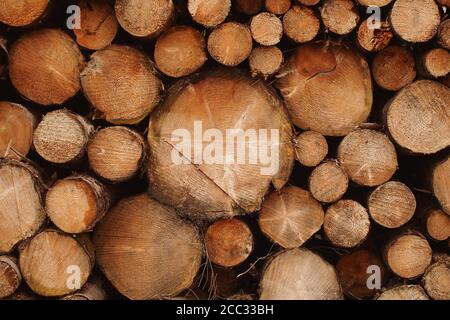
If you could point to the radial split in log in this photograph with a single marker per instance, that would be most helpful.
(346, 224)
(230, 43)
(277, 6)
(327, 88)
(75, 204)
(92, 290)
(405, 292)
(310, 148)
(328, 182)
(374, 39)
(437, 224)
(436, 280)
(214, 180)
(248, 7)
(299, 274)
(392, 204)
(266, 29)
(408, 255)
(444, 34)
(418, 118)
(98, 24)
(415, 20)
(21, 209)
(180, 51)
(440, 182)
(121, 83)
(144, 18)
(290, 217)
(209, 13)
(435, 63)
(339, 16)
(354, 270)
(45, 66)
(300, 24)
(228, 242)
(10, 276)
(393, 68)
(368, 157)
(16, 130)
(55, 264)
(21, 13)
(265, 61)
(146, 250)
(62, 136)
(116, 153)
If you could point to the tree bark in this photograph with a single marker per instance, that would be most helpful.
(10, 276)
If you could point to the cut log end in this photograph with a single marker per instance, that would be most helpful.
(209, 13)
(436, 280)
(265, 61)
(309, 2)
(278, 7)
(373, 39)
(228, 242)
(328, 182)
(374, 3)
(405, 292)
(266, 29)
(435, 63)
(301, 24)
(437, 224)
(290, 217)
(10, 276)
(440, 183)
(310, 148)
(92, 291)
(444, 34)
(22, 13)
(339, 16)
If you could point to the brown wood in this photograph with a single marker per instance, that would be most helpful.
(10, 276)
(352, 270)
(16, 130)
(440, 183)
(92, 290)
(392, 204)
(374, 3)
(117, 153)
(346, 224)
(62, 136)
(277, 6)
(437, 224)
(197, 186)
(339, 16)
(368, 157)
(393, 68)
(209, 13)
(310, 148)
(374, 40)
(99, 25)
(144, 18)
(290, 217)
(228, 242)
(45, 66)
(418, 118)
(415, 20)
(436, 280)
(180, 51)
(444, 34)
(21, 209)
(47, 261)
(121, 84)
(230, 43)
(248, 7)
(265, 61)
(404, 292)
(309, 2)
(299, 274)
(75, 204)
(266, 29)
(21, 13)
(435, 63)
(327, 88)
(328, 182)
(301, 24)
(143, 238)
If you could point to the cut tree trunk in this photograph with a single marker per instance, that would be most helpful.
(418, 118)
(180, 51)
(278, 7)
(368, 157)
(99, 25)
(309, 2)
(144, 18)
(393, 68)
(434, 63)
(16, 130)
(437, 224)
(10, 276)
(290, 217)
(300, 24)
(440, 181)
(214, 181)
(310, 148)
(346, 224)
(248, 7)
(327, 88)
(209, 13)
(339, 16)
(92, 290)
(436, 280)
(374, 3)
(444, 34)
(415, 20)
(22, 13)
(404, 292)
(266, 29)
(117, 153)
(62, 136)
(21, 209)
(328, 182)
(143, 238)
(265, 61)
(373, 39)
(392, 204)
(55, 264)
(121, 84)
(230, 43)
(76, 203)
(45, 66)
(299, 274)
(228, 242)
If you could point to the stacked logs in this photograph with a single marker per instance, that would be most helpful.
(115, 180)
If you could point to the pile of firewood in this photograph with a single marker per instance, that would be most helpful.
(218, 149)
